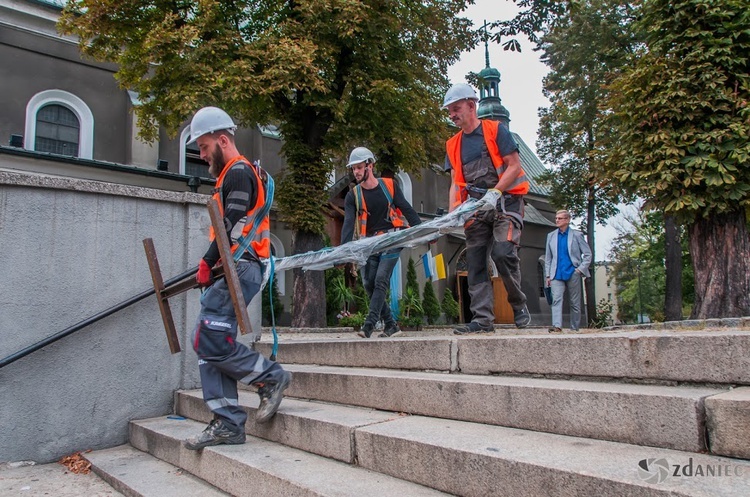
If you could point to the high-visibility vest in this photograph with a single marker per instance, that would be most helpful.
(458, 186)
(395, 217)
(260, 243)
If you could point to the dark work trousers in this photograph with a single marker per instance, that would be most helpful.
(376, 278)
(499, 233)
(222, 360)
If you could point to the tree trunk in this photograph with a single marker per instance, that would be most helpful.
(720, 248)
(309, 294)
(673, 263)
(591, 282)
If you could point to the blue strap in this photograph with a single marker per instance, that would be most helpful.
(244, 241)
(275, 348)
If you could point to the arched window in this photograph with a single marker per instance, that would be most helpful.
(191, 163)
(57, 130)
(59, 122)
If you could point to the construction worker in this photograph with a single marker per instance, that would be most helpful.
(484, 163)
(378, 206)
(240, 193)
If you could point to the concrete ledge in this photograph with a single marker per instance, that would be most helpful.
(652, 415)
(138, 474)
(724, 356)
(323, 429)
(728, 422)
(408, 353)
(473, 460)
(261, 468)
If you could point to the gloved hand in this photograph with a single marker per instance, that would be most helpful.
(204, 276)
(490, 199)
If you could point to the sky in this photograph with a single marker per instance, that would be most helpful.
(520, 86)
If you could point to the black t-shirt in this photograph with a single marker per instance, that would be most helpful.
(377, 211)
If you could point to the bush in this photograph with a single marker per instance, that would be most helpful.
(410, 308)
(430, 303)
(450, 307)
(278, 308)
(603, 315)
(354, 320)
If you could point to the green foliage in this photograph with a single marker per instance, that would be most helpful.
(278, 307)
(638, 255)
(411, 277)
(582, 47)
(603, 316)
(341, 300)
(410, 306)
(354, 320)
(430, 303)
(450, 306)
(329, 73)
(680, 112)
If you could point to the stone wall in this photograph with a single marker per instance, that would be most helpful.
(71, 249)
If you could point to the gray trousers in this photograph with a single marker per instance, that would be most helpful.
(501, 235)
(573, 285)
(376, 278)
(222, 360)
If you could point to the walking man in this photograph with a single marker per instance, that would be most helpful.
(240, 193)
(379, 206)
(566, 262)
(484, 163)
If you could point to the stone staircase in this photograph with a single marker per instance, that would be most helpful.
(512, 414)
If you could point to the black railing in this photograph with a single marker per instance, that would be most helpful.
(93, 319)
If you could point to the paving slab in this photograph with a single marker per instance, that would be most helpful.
(260, 467)
(478, 460)
(319, 428)
(685, 356)
(28, 479)
(138, 474)
(653, 415)
(728, 422)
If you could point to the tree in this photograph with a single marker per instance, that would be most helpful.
(583, 46)
(681, 138)
(329, 73)
(449, 306)
(430, 304)
(639, 255)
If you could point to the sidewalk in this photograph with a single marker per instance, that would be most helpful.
(50, 480)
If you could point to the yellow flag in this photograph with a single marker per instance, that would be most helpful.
(440, 267)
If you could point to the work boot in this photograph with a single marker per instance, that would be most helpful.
(270, 397)
(390, 331)
(554, 329)
(521, 317)
(216, 433)
(474, 327)
(366, 330)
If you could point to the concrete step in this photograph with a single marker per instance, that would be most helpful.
(260, 467)
(316, 427)
(478, 460)
(652, 415)
(137, 474)
(666, 356)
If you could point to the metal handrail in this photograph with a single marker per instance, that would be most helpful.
(93, 319)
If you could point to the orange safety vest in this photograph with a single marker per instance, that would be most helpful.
(260, 245)
(458, 185)
(395, 216)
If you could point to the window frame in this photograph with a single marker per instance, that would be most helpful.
(72, 103)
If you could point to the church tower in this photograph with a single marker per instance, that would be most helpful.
(490, 105)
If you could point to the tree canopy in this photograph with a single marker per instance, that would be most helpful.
(329, 73)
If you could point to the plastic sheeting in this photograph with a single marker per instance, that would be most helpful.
(358, 251)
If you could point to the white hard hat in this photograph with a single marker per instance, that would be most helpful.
(459, 91)
(360, 154)
(208, 120)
